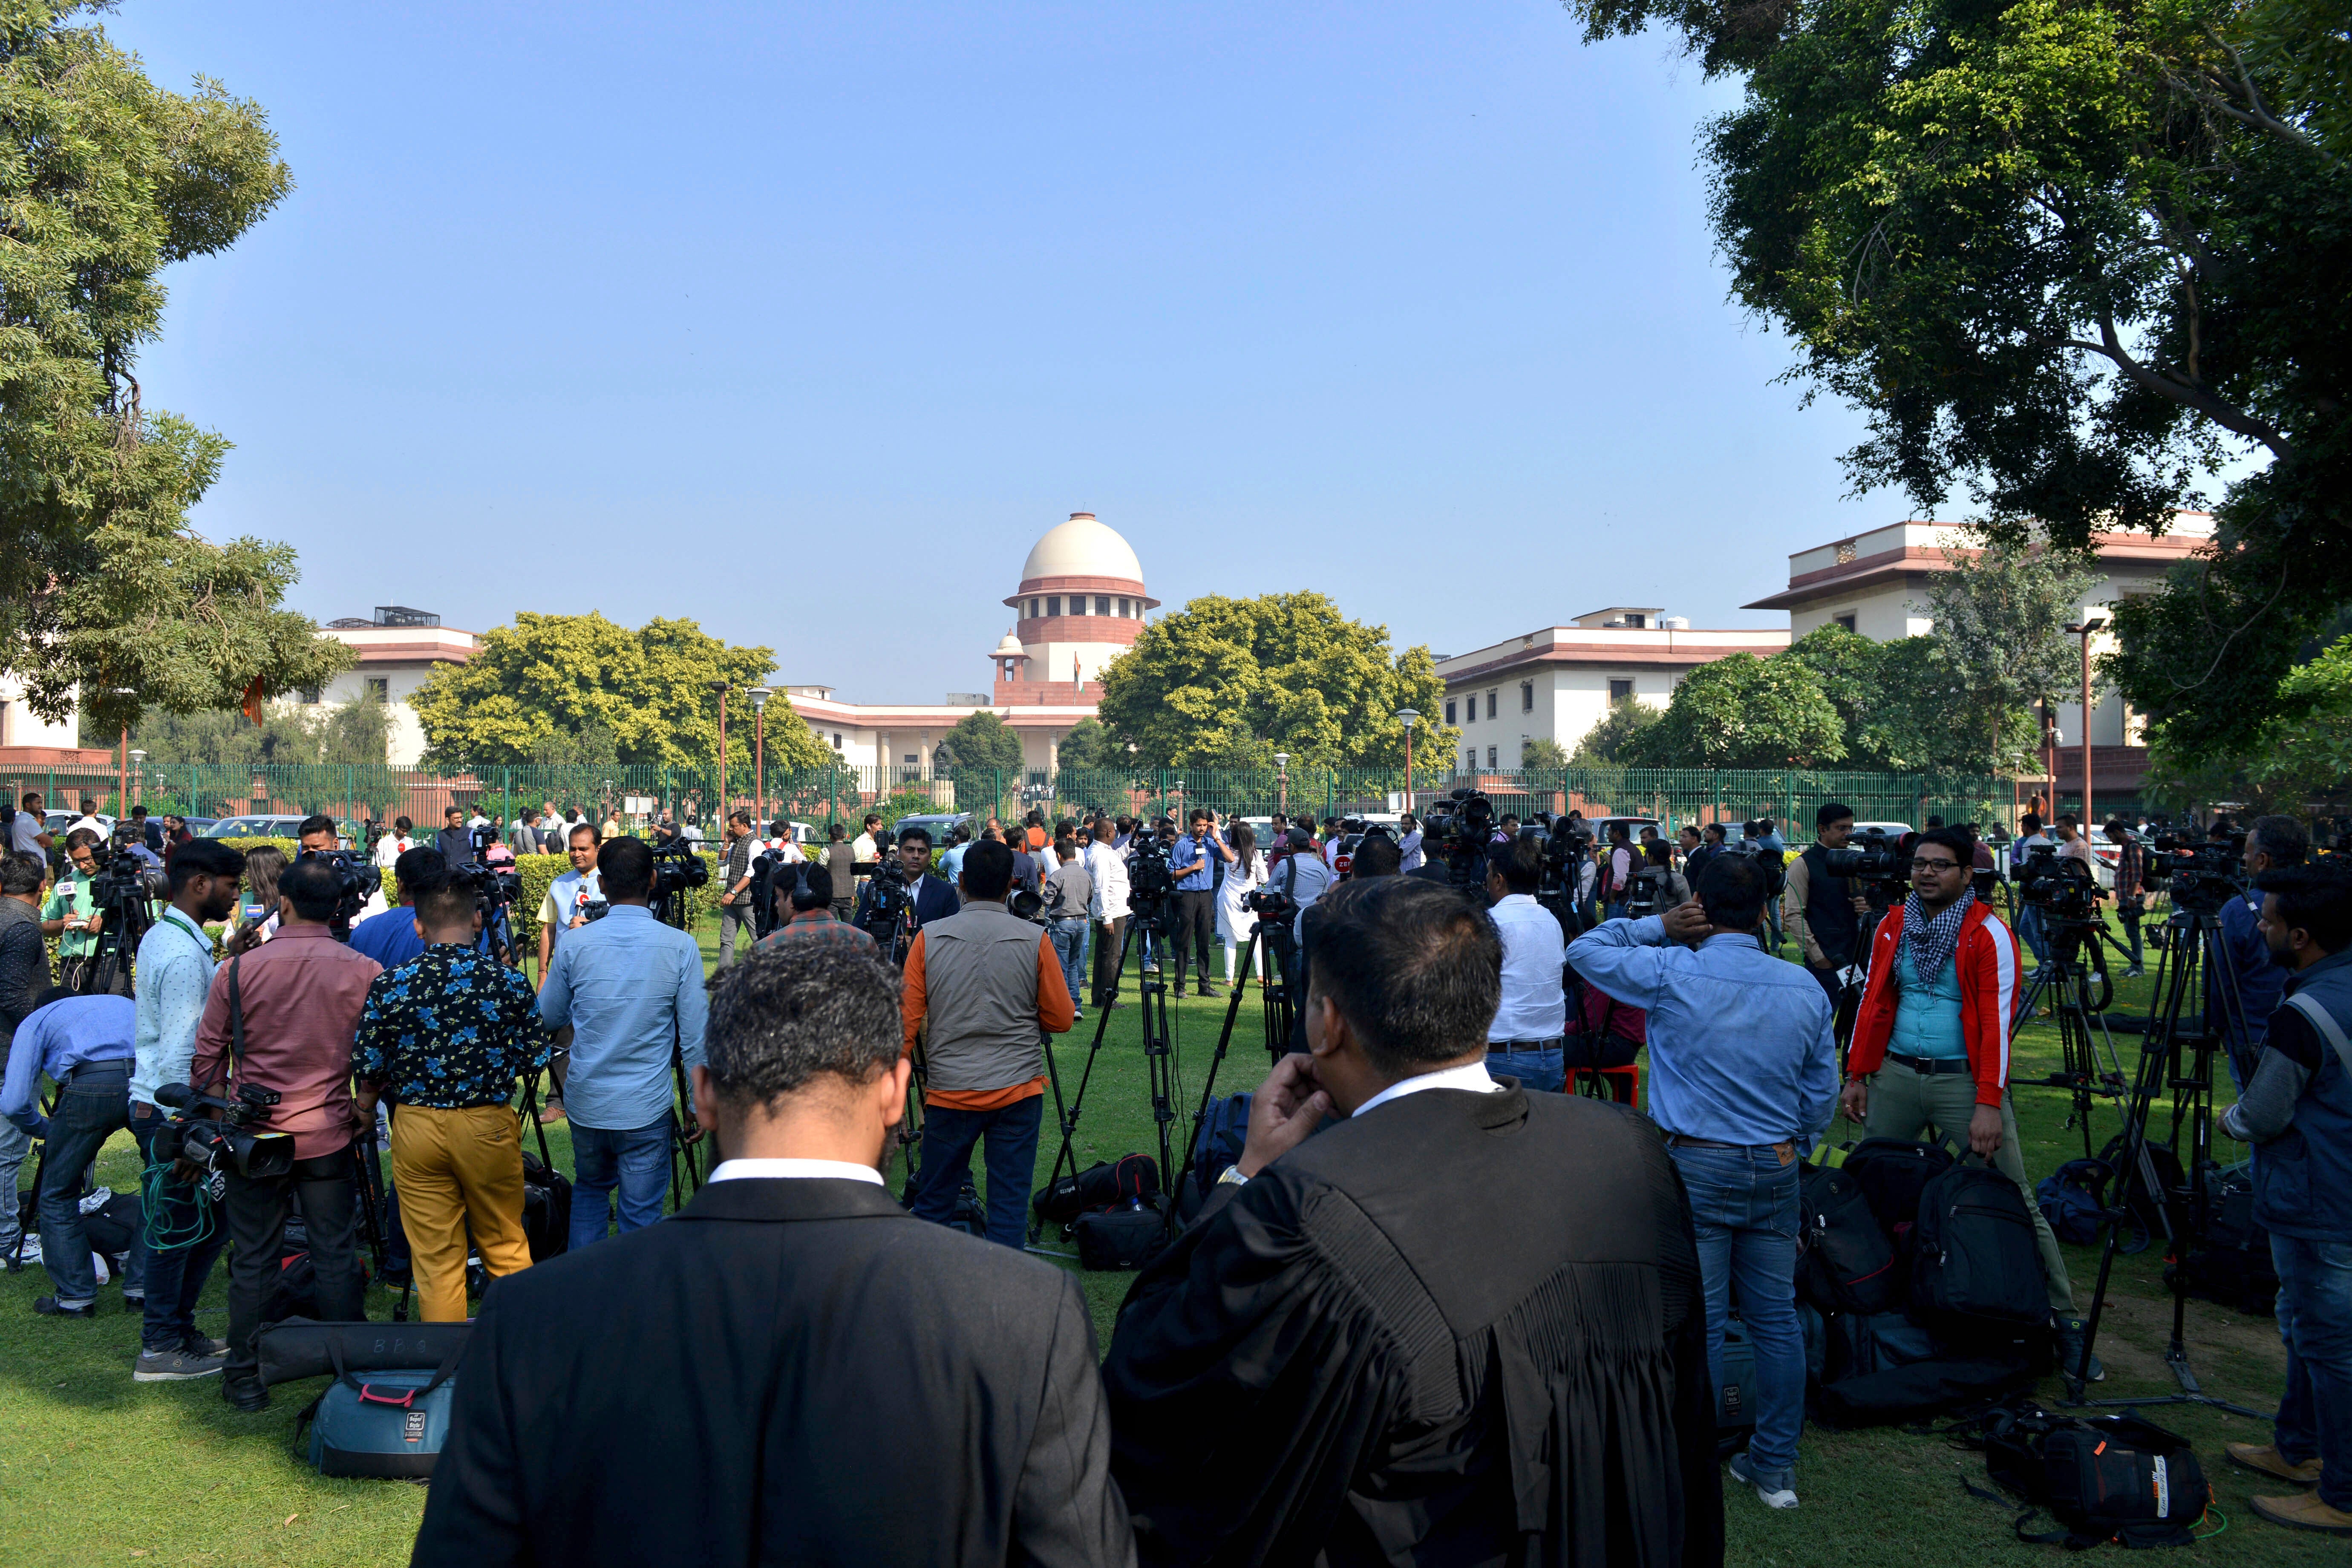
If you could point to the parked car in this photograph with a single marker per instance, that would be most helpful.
(254, 828)
(56, 822)
(936, 824)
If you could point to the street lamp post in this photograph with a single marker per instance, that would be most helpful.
(2089, 625)
(720, 687)
(760, 695)
(1282, 781)
(138, 775)
(122, 772)
(1407, 715)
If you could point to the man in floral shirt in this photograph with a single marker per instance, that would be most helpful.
(444, 1039)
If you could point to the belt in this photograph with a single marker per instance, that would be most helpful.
(1553, 1044)
(113, 1065)
(1930, 1064)
(1785, 1149)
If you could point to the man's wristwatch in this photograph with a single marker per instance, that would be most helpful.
(1233, 1177)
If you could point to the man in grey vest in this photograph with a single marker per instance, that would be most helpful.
(989, 986)
(2297, 1112)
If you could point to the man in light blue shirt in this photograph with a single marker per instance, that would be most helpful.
(81, 1043)
(626, 994)
(1193, 862)
(1743, 1070)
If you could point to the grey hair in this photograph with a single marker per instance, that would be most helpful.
(788, 1013)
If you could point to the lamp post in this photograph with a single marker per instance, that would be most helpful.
(123, 770)
(720, 687)
(760, 695)
(1407, 715)
(1282, 781)
(2089, 625)
(138, 773)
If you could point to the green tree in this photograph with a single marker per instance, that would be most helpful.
(1542, 754)
(2065, 258)
(1088, 746)
(550, 677)
(108, 597)
(1903, 705)
(1612, 737)
(2000, 627)
(979, 741)
(1742, 712)
(1229, 682)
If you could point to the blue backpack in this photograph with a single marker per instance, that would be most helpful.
(2072, 1199)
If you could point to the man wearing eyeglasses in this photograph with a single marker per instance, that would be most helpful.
(1931, 1038)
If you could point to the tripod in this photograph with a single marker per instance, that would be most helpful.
(2076, 973)
(2195, 951)
(1158, 1056)
(1278, 1015)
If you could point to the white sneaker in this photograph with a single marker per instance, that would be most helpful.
(1774, 1487)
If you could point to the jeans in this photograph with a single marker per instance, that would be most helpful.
(2131, 930)
(1744, 1207)
(1534, 1070)
(2314, 1318)
(948, 1135)
(92, 1106)
(1195, 933)
(634, 1160)
(257, 1209)
(1070, 937)
(174, 1276)
(2029, 933)
(732, 918)
(13, 1147)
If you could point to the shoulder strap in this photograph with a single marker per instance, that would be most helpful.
(2325, 1022)
(236, 1062)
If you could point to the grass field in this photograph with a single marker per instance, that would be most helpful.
(97, 1469)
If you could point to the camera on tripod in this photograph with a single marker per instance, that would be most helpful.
(2061, 886)
(125, 879)
(1458, 829)
(218, 1147)
(676, 869)
(1151, 883)
(1642, 892)
(356, 881)
(2202, 872)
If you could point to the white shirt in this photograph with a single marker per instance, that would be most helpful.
(1309, 882)
(1535, 1007)
(390, 847)
(861, 848)
(1473, 1077)
(1413, 857)
(93, 824)
(772, 1170)
(1110, 872)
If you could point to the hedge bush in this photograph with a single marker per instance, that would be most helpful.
(539, 873)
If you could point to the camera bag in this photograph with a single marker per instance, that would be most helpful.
(1975, 1266)
(2107, 1478)
(1131, 1178)
(113, 1225)
(2231, 1263)
(1734, 1395)
(1849, 1264)
(388, 1424)
(297, 1348)
(2148, 1211)
(2072, 1199)
(1893, 1173)
(1125, 1237)
(546, 1207)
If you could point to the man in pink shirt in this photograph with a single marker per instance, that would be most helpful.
(299, 999)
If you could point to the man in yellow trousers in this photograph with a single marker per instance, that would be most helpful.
(444, 1037)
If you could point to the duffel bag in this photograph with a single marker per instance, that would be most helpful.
(2231, 1263)
(1849, 1263)
(1131, 1178)
(299, 1348)
(1974, 1263)
(546, 1208)
(2109, 1477)
(1893, 1173)
(1124, 1238)
(1922, 1388)
(380, 1425)
(2073, 1198)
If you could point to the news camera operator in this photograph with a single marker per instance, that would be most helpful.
(1524, 1037)
(1931, 1038)
(444, 1037)
(2272, 844)
(2131, 885)
(2296, 1110)
(82, 1045)
(455, 840)
(1825, 912)
(930, 898)
(804, 905)
(1743, 1073)
(987, 982)
(281, 1016)
(24, 975)
(626, 995)
(1193, 864)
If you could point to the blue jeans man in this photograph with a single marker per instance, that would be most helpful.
(1069, 936)
(1011, 1135)
(175, 1275)
(634, 1161)
(1544, 1069)
(2314, 1318)
(94, 1104)
(1744, 1208)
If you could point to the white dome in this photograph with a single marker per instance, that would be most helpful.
(1010, 648)
(1082, 548)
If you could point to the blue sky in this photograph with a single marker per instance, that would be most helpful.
(806, 320)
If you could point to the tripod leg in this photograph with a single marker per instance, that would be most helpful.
(1216, 1058)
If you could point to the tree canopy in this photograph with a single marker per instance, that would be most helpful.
(1611, 739)
(1742, 712)
(981, 740)
(1229, 682)
(547, 679)
(2067, 258)
(108, 598)
(1088, 746)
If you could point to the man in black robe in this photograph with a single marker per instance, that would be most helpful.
(1463, 1325)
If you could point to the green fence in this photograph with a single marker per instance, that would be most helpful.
(844, 793)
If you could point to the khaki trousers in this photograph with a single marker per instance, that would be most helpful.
(453, 1169)
(1904, 1103)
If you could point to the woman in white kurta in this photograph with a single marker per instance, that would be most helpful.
(1247, 872)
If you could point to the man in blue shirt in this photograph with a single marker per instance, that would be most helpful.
(1193, 863)
(390, 938)
(2272, 844)
(626, 995)
(1743, 1071)
(83, 1045)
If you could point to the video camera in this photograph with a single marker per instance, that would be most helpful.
(2201, 871)
(124, 879)
(217, 1147)
(2062, 886)
(677, 868)
(1150, 881)
(1458, 829)
(1876, 859)
(356, 881)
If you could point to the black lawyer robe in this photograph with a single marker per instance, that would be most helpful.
(1464, 1328)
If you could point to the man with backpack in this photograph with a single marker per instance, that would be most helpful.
(2297, 1111)
(1931, 1039)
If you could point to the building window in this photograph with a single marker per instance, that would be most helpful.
(1635, 620)
(1122, 609)
(310, 694)
(1527, 695)
(1470, 711)
(1621, 691)
(378, 687)
(912, 759)
(1490, 757)
(1034, 607)
(1494, 700)
(1053, 604)
(1845, 621)
(837, 740)
(1449, 714)
(1036, 779)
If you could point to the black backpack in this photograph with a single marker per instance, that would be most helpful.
(2232, 1263)
(1974, 1265)
(2073, 1198)
(1133, 1178)
(1126, 1237)
(546, 1208)
(1849, 1263)
(1892, 1174)
(2109, 1477)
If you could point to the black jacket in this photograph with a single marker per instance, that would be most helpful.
(1466, 1329)
(787, 1372)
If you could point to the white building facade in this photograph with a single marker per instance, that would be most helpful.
(396, 650)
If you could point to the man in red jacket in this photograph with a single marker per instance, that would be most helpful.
(1931, 1037)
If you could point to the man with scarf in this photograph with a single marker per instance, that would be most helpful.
(1931, 1038)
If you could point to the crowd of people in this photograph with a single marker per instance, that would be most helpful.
(1350, 1350)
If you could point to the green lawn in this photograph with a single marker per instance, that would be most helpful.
(98, 1470)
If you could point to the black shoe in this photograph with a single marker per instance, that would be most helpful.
(1209, 994)
(49, 1307)
(246, 1392)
